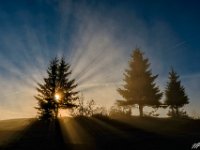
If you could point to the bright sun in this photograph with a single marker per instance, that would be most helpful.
(57, 97)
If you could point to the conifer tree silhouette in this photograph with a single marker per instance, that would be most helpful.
(139, 87)
(57, 91)
(175, 94)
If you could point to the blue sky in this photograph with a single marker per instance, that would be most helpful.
(96, 38)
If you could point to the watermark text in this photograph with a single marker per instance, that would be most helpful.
(196, 145)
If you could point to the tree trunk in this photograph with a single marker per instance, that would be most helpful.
(177, 112)
(141, 110)
(173, 113)
(56, 113)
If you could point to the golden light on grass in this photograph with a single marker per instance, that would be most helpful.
(74, 133)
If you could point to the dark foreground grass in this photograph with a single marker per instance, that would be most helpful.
(101, 133)
(40, 135)
(12, 129)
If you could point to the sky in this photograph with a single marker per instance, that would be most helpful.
(96, 37)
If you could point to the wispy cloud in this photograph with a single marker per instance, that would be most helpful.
(96, 42)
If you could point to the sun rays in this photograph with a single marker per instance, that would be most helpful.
(96, 45)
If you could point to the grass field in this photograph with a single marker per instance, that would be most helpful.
(99, 133)
(12, 129)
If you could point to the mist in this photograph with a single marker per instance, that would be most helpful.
(97, 42)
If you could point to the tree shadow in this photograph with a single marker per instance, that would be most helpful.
(90, 133)
(12, 129)
(114, 134)
(39, 135)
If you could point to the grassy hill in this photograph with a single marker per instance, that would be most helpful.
(99, 133)
(12, 129)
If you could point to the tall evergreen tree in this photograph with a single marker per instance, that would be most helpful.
(57, 91)
(175, 93)
(46, 92)
(65, 86)
(139, 87)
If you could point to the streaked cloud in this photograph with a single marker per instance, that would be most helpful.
(96, 42)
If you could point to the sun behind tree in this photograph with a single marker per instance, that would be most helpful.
(57, 91)
(139, 87)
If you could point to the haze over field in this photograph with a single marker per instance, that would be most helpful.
(96, 38)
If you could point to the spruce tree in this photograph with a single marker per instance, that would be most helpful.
(57, 91)
(175, 94)
(46, 92)
(139, 87)
(65, 86)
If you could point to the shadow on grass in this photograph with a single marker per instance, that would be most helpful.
(12, 129)
(98, 133)
(114, 134)
(39, 135)
(158, 133)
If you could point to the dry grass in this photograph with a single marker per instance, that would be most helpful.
(12, 129)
